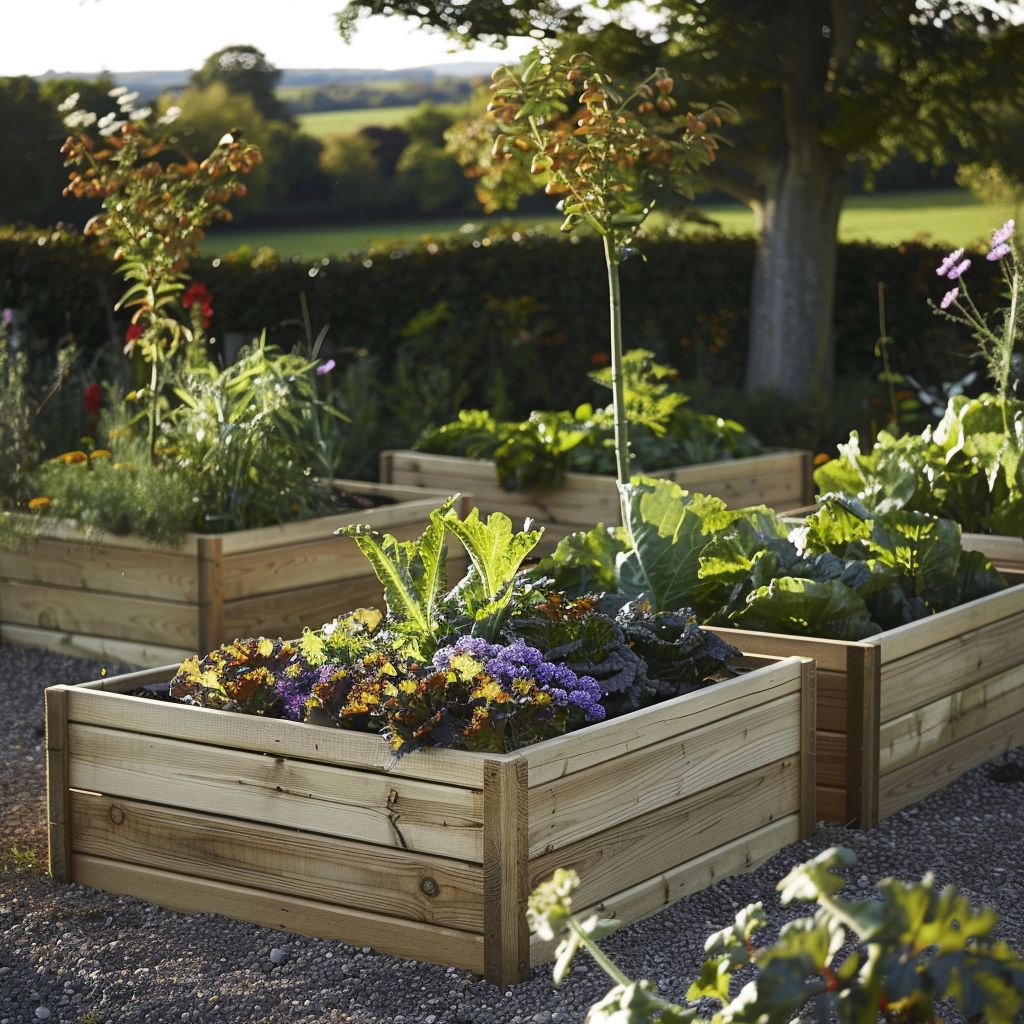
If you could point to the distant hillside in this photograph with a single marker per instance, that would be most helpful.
(152, 83)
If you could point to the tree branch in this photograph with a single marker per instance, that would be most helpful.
(745, 191)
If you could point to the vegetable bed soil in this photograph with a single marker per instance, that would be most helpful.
(780, 479)
(908, 711)
(319, 831)
(130, 600)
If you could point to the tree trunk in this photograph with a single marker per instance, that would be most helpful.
(791, 310)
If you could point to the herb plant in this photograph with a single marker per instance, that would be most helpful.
(495, 662)
(539, 451)
(847, 574)
(970, 466)
(898, 958)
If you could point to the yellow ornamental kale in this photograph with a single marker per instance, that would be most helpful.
(238, 676)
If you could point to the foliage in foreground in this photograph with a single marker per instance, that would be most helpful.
(854, 961)
(492, 664)
(847, 574)
(539, 451)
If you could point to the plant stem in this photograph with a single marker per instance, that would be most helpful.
(618, 384)
(594, 950)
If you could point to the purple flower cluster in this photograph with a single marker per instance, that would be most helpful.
(295, 684)
(517, 660)
(1001, 241)
(953, 266)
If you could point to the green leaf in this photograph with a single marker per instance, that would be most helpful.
(668, 528)
(585, 562)
(807, 608)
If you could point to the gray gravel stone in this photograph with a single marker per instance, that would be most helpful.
(130, 963)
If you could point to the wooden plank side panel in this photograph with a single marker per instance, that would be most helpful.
(832, 700)
(1004, 551)
(64, 610)
(658, 841)
(591, 801)
(506, 819)
(373, 808)
(918, 779)
(736, 857)
(829, 655)
(357, 875)
(343, 747)
(925, 730)
(808, 747)
(596, 744)
(863, 709)
(103, 568)
(936, 629)
(97, 648)
(943, 667)
(190, 895)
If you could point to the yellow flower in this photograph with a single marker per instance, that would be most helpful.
(73, 458)
(39, 504)
(100, 453)
(408, 686)
(490, 691)
(123, 465)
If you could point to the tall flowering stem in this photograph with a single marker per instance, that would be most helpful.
(157, 204)
(603, 149)
(996, 334)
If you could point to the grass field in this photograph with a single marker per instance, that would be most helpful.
(944, 217)
(346, 122)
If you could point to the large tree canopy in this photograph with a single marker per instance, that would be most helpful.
(245, 70)
(818, 83)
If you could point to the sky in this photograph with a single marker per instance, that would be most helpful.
(147, 35)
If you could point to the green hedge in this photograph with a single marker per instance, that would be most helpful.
(530, 304)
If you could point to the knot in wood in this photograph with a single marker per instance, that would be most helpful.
(116, 814)
(429, 886)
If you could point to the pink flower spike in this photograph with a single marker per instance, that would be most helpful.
(326, 367)
(998, 252)
(949, 262)
(1003, 234)
(958, 270)
(949, 298)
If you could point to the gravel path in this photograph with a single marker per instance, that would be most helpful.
(72, 954)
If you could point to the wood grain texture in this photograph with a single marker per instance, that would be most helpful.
(97, 648)
(654, 894)
(288, 913)
(808, 747)
(343, 747)
(914, 781)
(658, 841)
(592, 801)
(767, 681)
(923, 731)
(57, 811)
(863, 708)
(370, 807)
(945, 666)
(120, 617)
(936, 629)
(349, 874)
(506, 820)
(210, 612)
(829, 655)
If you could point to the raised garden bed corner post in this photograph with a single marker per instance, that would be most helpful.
(808, 747)
(211, 594)
(57, 797)
(506, 870)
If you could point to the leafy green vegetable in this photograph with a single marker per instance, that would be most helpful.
(969, 468)
(848, 573)
(539, 451)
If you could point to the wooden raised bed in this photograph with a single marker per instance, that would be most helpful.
(1004, 551)
(908, 711)
(128, 600)
(318, 831)
(781, 479)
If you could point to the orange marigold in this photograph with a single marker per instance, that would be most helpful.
(39, 504)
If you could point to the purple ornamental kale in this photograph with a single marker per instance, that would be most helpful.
(517, 660)
(295, 685)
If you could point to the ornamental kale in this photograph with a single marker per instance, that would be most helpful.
(539, 451)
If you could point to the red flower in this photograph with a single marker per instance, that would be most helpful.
(198, 294)
(92, 399)
(134, 332)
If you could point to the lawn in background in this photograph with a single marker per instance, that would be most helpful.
(948, 217)
(347, 122)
